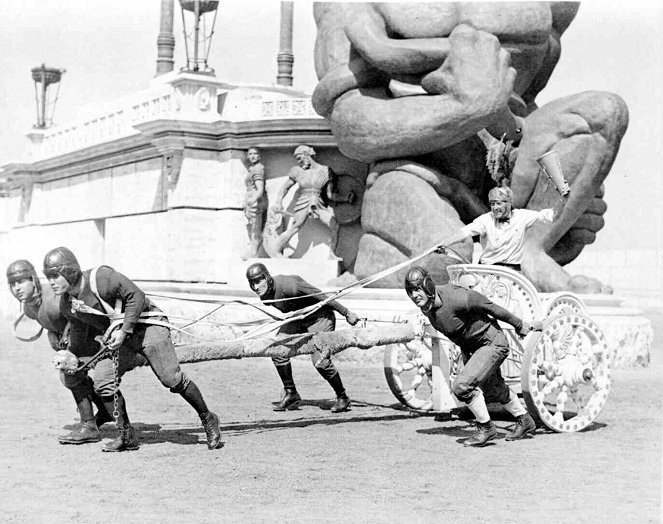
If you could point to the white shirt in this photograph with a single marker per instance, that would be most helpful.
(503, 241)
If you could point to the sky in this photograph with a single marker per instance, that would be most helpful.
(108, 49)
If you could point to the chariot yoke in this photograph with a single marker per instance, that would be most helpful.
(562, 372)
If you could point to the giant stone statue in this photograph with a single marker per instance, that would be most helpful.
(414, 89)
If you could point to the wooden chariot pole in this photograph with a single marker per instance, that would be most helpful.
(327, 343)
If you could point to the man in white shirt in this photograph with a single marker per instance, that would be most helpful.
(502, 230)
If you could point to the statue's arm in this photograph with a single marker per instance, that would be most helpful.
(367, 31)
(331, 189)
(563, 14)
(468, 93)
(259, 191)
(283, 192)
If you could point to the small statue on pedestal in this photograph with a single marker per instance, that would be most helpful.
(255, 202)
(317, 192)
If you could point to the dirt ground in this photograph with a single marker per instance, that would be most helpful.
(377, 463)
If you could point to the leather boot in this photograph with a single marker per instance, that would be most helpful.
(342, 400)
(485, 432)
(85, 433)
(194, 397)
(524, 425)
(125, 441)
(290, 400)
(342, 404)
(285, 374)
(211, 424)
(103, 416)
(88, 430)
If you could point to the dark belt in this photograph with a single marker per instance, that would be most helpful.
(515, 267)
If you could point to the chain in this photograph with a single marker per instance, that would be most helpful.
(116, 378)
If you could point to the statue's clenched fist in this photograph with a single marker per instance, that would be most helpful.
(477, 70)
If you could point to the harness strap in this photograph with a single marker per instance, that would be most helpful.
(29, 339)
(106, 305)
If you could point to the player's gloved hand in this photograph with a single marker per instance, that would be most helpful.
(441, 249)
(352, 318)
(526, 328)
(418, 326)
(54, 340)
(116, 339)
(65, 361)
(537, 325)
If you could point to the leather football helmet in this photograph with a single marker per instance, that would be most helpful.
(61, 261)
(256, 272)
(418, 278)
(20, 270)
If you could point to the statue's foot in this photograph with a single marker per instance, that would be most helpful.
(549, 277)
(589, 285)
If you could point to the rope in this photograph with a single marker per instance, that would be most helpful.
(265, 326)
(214, 301)
(305, 312)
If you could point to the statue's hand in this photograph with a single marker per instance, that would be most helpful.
(477, 71)
(300, 218)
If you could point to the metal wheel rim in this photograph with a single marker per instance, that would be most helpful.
(555, 368)
(399, 381)
(566, 304)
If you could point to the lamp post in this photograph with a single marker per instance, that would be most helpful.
(285, 59)
(198, 35)
(44, 77)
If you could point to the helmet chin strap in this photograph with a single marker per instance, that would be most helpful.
(34, 299)
(269, 293)
(428, 305)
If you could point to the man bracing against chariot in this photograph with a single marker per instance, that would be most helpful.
(469, 320)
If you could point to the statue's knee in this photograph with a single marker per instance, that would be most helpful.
(616, 112)
(606, 113)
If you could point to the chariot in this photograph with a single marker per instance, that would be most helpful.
(562, 372)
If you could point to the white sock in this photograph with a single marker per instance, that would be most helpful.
(479, 408)
(514, 406)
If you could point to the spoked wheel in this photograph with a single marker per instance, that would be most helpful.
(407, 368)
(566, 373)
(565, 304)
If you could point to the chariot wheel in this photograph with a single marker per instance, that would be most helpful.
(565, 304)
(566, 373)
(407, 368)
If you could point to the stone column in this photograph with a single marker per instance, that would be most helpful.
(166, 39)
(285, 59)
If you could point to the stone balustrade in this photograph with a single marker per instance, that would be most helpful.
(103, 128)
(182, 96)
